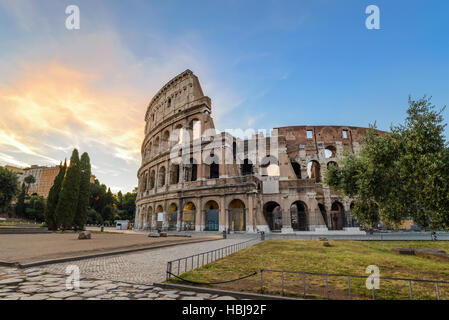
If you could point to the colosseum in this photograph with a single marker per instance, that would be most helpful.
(194, 178)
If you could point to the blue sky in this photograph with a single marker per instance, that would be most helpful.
(264, 64)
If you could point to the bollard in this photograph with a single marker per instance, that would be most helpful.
(224, 234)
(102, 228)
(262, 235)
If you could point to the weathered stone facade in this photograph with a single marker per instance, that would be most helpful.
(193, 178)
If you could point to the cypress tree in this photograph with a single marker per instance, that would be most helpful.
(53, 196)
(20, 206)
(68, 197)
(84, 193)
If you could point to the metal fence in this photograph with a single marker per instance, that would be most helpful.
(185, 264)
(326, 277)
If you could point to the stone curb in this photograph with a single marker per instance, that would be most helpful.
(96, 255)
(241, 295)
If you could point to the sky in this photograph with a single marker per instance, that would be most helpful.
(264, 64)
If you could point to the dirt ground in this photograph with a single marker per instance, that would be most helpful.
(26, 248)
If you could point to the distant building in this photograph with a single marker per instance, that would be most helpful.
(44, 176)
(16, 170)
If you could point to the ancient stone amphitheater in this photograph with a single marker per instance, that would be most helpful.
(195, 178)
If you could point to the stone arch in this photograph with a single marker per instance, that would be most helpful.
(191, 170)
(338, 221)
(273, 215)
(144, 181)
(269, 166)
(188, 216)
(149, 217)
(172, 213)
(298, 213)
(159, 221)
(152, 179)
(156, 145)
(161, 177)
(314, 171)
(237, 215)
(211, 214)
(330, 152)
(165, 140)
(174, 173)
(332, 163)
(212, 163)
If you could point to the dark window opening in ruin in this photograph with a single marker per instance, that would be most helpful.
(234, 151)
(323, 213)
(194, 172)
(313, 170)
(247, 168)
(161, 182)
(214, 170)
(169, 102)
(174, 174)
(332, 163)
(330, 152)
(297, 168)
(152, 117)
(298, 215)
(273, 215)
(345, 134)
(152, 179)
(309, 134)
(144, 182)
(338, 220)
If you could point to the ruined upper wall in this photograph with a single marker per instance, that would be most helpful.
(176, 95)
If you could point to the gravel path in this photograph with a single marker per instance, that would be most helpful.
(144, 267)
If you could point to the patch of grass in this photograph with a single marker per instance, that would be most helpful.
(17, 223)
(343, 257)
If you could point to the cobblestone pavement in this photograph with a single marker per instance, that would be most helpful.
(144, 267)
(34, 284)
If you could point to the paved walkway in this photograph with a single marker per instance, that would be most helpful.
(144, 267)
(33, 284)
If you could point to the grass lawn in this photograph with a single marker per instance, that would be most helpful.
(19, 223)
(343, 257)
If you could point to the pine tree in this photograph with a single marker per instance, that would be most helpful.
(20, 206)
(53, 196)
(84, 193)
(68, 197)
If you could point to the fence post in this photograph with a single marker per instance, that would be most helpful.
(411, 290)
(179, 264)
(349, 287)
(282, 282)
(327, 286)
(304, 282)
(185, 265)
(438, 290)
(261, 281)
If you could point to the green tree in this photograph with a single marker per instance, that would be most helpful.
(9, 188)
(68, 197)
(401, 174)
(35, 208)
(84, 192)
(128, 206)
(53, 197)
(107, 214)
(29, 180)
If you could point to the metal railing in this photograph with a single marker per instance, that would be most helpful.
(185, 264)
(348, 277)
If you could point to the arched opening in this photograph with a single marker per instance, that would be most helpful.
(174, 174)
(337, 216)
(269, 167)
(247, 168)
(211, 210)
(156, 145)
(323, 213)
(165, 140)
(273, 215)
(191, 170)
(298, 214)
(297, 168)
(332, 163)
(172, 216)
(160, 218)
(161, 180)
(313, 170)
(144, 182)
(237, 215)
(330, 152)
(152, 179)
(195, 125)
(188, 217)
(148, 224)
